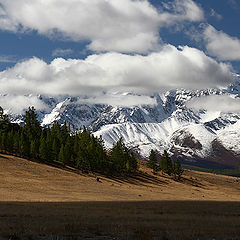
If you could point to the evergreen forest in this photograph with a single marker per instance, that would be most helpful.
(57, 143)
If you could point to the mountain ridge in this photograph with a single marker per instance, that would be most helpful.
(169, 124)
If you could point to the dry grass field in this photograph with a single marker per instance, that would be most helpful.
(43, 202)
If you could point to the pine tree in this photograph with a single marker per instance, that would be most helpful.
(67, 151)
(16, 140)
(4, 122)
(34, 148)
(24, 145)
(43, 149)
(32, 125)
(152, 162)
(61, 155)
(177, 170)
(122, 160)
(3, 117)
(131, 165)
(55, 148)
(166, 163)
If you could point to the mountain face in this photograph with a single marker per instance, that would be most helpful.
(199, 137)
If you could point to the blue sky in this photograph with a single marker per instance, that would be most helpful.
(224, 15)
(87, 47)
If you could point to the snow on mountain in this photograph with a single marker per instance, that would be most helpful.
(230, 137)
(169, 124)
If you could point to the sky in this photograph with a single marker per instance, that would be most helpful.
(82, 47)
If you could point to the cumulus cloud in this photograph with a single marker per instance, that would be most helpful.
(61, 52)
(221, 45)
(15, 104)
(111, 25)
(181, 10)
(169, 68)
(124, 100)
(223, 103)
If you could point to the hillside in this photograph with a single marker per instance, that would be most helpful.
(42, 202)
(22, 180)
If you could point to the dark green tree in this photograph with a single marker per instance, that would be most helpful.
(32, 125)
(24, 145)
(122, 160)
(61, 155)
(166, 163)
(43, 148)
(177, 170)
(152, 161)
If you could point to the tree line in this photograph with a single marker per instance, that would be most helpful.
(78, 149)
(166, 165)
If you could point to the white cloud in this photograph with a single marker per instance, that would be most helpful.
(223, 103)
(182, 10)
(109, 25)
(61, 52)
(221, 45)
(124, 100)
(169, 68)
(18, 104)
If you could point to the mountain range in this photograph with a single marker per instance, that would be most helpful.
(202, 137)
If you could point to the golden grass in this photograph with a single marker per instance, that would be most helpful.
(22, 180)
(39, 199)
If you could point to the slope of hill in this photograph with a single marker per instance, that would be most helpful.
(22, 180)
(42, 202)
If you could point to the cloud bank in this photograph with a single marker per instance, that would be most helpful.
(221, 45)
(109, 25)
(223, 103)
(17, 104)
(120, 100)
(169, 68)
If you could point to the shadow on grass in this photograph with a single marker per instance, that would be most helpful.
(120, 220)
(139, 178)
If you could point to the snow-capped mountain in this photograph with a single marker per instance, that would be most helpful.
(197, 135)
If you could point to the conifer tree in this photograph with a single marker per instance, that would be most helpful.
(24, 145)
(3, 117)
(4, 121)
(166, 163)
(55, 148)
(34, 148)
(122, 160)
(32, 125)
(43, 149)
(177, 170)
(61, 155)
(16, 139)
(152, 162)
